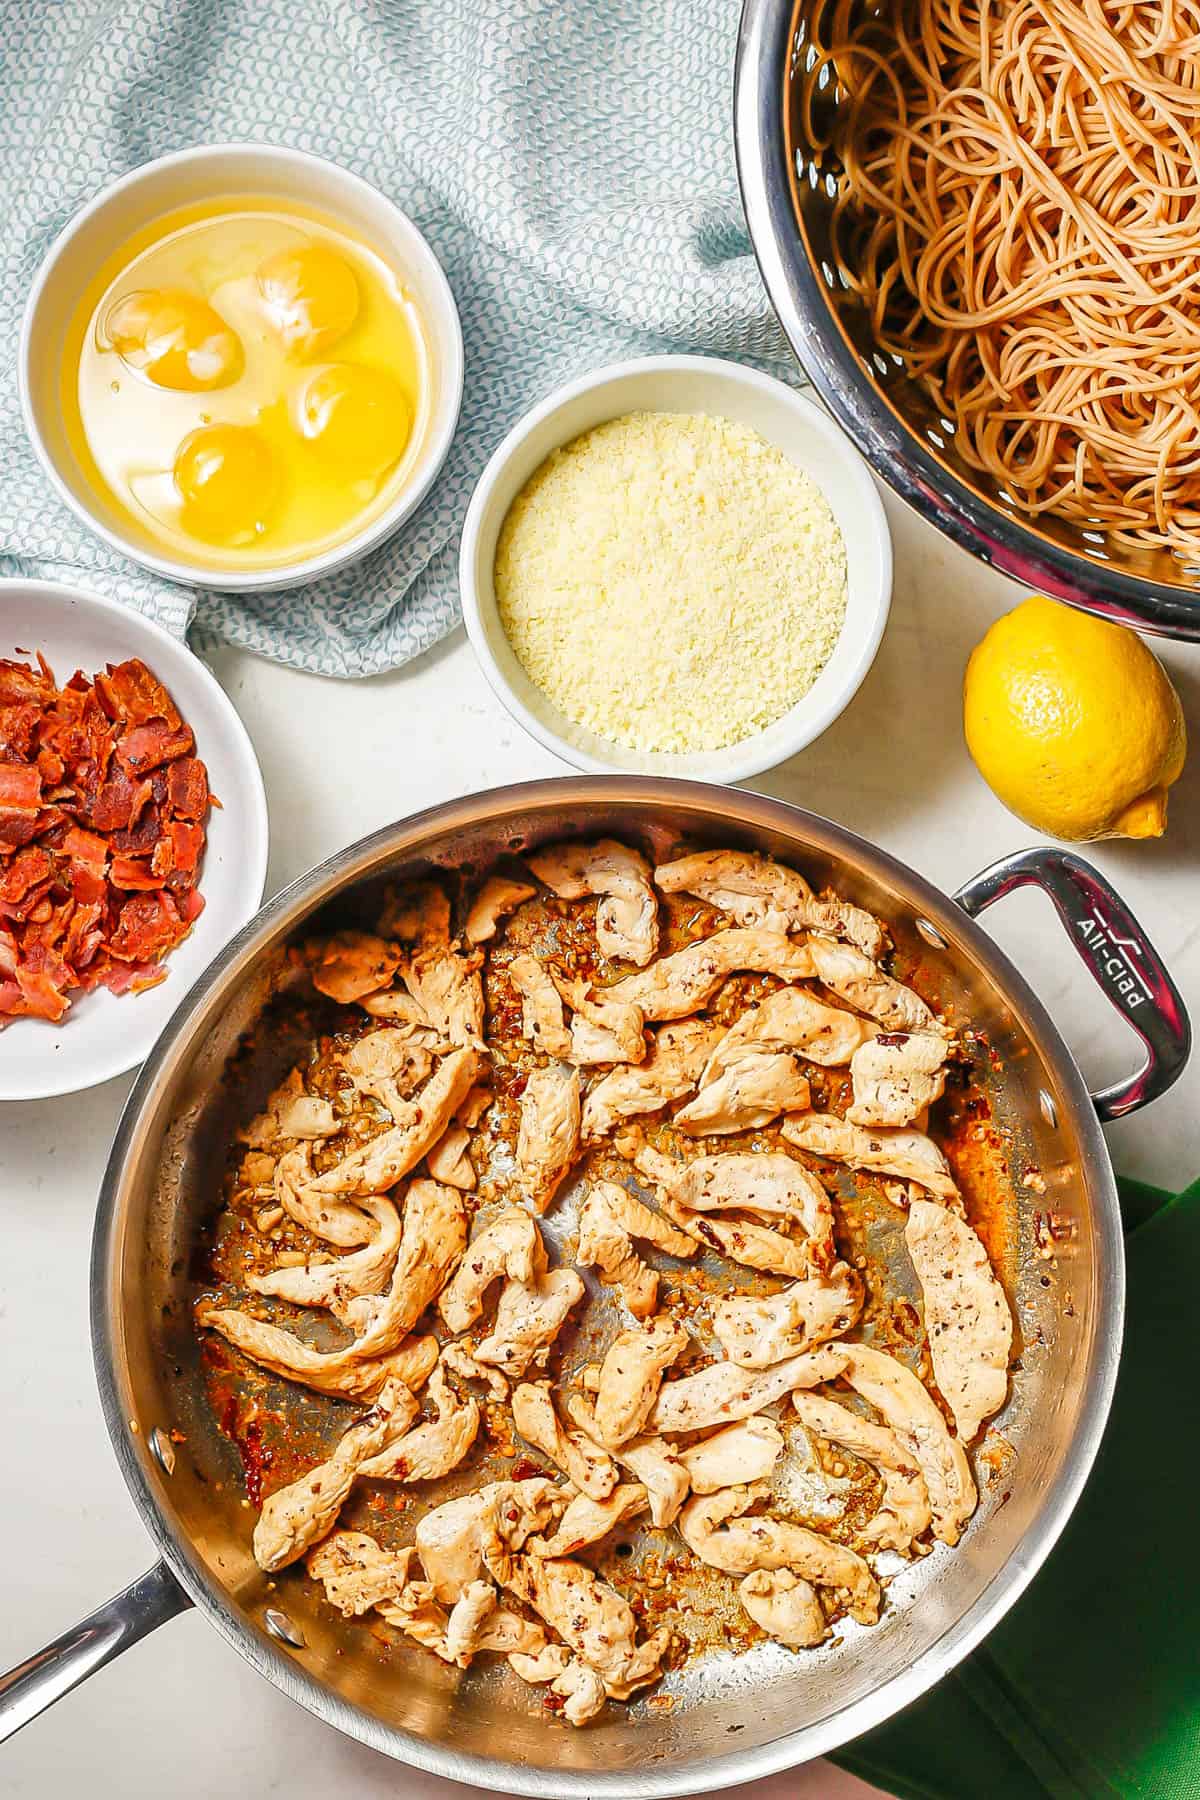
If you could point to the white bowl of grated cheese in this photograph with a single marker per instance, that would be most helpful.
(676, 566)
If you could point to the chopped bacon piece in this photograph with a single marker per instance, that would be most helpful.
(27, 869)
(102, 828)
(136, 695)
(187, 845)
(148, 925)
(19, 828)
(187, 788)
(85, 847)
(18, 723)
(141, 838)
(134, 872)
(118, 802)
(20, 786)
(43, 979)
(19, 682)
(88, 884)
(82, 940)
(146, 746)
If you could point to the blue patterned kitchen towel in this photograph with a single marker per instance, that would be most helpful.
(571, 161)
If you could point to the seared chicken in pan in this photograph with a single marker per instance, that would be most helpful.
(568, 1226)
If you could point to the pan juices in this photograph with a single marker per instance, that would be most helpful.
(247, 383)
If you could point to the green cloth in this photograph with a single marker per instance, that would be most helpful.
(1090, 1687)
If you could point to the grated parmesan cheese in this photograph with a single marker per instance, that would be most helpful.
(671, 581)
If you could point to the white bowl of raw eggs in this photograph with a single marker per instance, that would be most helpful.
(242, 366)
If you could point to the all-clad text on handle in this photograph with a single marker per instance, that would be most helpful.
(1118, 954)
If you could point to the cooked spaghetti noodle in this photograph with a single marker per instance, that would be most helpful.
(1020, 212)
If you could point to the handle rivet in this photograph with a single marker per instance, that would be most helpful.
(283, 1629)
(1049, 1110)
(163, 1450)
(930, 933)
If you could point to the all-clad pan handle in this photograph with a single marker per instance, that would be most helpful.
(1118, 955)
(40, 1680)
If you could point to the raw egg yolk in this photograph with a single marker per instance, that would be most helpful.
(311, 295)
(357, 418)
(175, 339)
(228, 481)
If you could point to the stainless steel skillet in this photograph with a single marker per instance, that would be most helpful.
(732, 1718)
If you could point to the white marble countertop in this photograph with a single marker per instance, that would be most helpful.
(181, 1713)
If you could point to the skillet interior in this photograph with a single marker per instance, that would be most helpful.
(166, 1183)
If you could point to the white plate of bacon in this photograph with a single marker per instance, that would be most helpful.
(133, 834)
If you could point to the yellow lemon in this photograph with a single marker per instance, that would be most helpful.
(1073, 723)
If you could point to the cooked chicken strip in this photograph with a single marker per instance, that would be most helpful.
(903, 1403)
(418, 913)
(510, 1246)
(432, 1242)
(448, 987)
(602, 1030)
(748, 1095)
(474, 1106)
(357, 1573)
(295, 1517)
(449, 1160)
(897, 1077)
(387, 1065)
(631, 1375)
(333, 1284)
(756, 1332)
(588, 1521)
(547, 1665)
(754, 1246)
(685, 982)
(672, 1068)
(381, 1162)
(529, 1317)
(909, 1155)
(449, 1541)
(583, 1690)
(478, 1623)
(548, 1137)
(467, 1619)
(542, 1018)
(336, 1221)
(713, 1529)
(785, 1605)
(795, 1020)
(765, 1184)
(498, 897)
(722, 1393)
(609, 1220)
(627, 916)
(431, 1450)
(967, 1318)
(651, 1460)
(399, 1008)
(857, 979)
(904, 1513)
(757, 892)
(290, 1113)
(584, 1464)
(415, 1610)
(459, 1358)
(325, 1371)
(350, 964)
(740, 1453)
(589, 1616)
